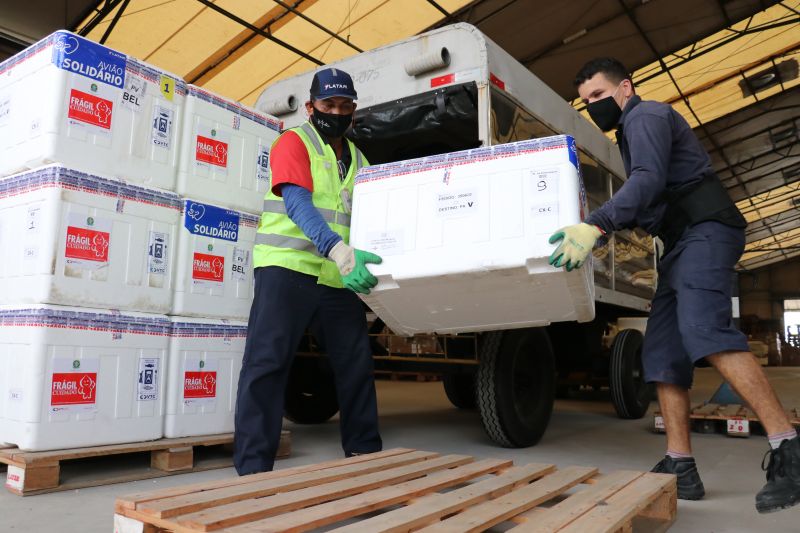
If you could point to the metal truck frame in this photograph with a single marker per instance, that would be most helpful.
(453, 89)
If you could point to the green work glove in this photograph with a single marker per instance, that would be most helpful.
(577, 242)
(352, 265)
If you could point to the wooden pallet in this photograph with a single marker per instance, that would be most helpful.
(734, 420)
(51, 471)
(404, 489)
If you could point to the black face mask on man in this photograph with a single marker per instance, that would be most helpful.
(331, 125)
(605, 112)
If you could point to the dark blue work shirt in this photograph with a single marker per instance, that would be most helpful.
(660, 151)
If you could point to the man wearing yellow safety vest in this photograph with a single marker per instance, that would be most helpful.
(306, 275)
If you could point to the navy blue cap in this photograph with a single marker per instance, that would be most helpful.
(331, 82)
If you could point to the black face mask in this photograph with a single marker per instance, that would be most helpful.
(330, 125)
(605, 113)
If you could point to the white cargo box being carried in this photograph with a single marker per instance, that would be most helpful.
(214, 272)
(225, 151)
(73, 377)
(463, 238)
(69, 100)
(205, 357)
(75, 239)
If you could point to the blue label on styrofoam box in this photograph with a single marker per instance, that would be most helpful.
(81, 56)
(572, 148)
(211, 221)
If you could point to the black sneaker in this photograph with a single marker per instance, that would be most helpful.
(690, 486)
(783, 478)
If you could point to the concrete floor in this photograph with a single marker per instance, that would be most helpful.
(583, 431)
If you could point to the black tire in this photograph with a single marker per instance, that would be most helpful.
(630, 394)
(516, 386)
(460, 390)
(310, 392)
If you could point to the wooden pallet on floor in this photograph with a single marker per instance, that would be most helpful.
(404, 490)
(31, 473)
(733, 419)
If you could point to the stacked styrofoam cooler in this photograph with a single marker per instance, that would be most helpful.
(222, 176)
(69, 100)
(100, 227)
(464, 238)
(204, 363)
(89, 242)
(225, 152)
(80, 377)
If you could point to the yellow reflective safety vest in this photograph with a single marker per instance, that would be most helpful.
(279, 242)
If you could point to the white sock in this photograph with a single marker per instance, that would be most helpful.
(678, 455)
(776, 439)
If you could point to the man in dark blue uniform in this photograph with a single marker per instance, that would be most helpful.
(673, 193)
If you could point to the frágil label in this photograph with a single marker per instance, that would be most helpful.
(210, 221)
(83, 57)
(90, 109)
(207, 267)
(87, 244)
(211, 151)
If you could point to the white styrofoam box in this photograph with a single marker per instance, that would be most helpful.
(464, 238)
(73, 377)
(69, 100)
(225, 151)
(205, 357)
(214, 271)
(75, 239)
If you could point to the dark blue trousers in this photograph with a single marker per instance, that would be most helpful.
(691, 315)
(286, 303)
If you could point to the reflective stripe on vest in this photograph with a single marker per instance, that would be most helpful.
(308, 129)
(281, 241)
(329, 215)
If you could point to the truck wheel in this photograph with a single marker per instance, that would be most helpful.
(630, 394)
(310, 392)
(460, 389)
(516, 386)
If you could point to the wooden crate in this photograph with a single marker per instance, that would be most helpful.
(404, 490)
(51, 471)
(734, 420)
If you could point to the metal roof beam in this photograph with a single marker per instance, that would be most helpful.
(259, 31)
(108, 7)
(317, 25)
(114, 21)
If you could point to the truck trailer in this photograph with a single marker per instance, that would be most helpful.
(453, 89)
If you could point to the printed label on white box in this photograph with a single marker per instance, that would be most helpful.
(147, 389)
(456, 202)
(385, 243)
(199, 381)
(32, 220)
(157, 256)
(91, 107)
(544, 199)
(87, 241)
(15, 395)
(161, 134)
(240, 266)
(5, 109)
(262, 164)
(208, 265)
(133, 95)
(211, 148)
(73, 385)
